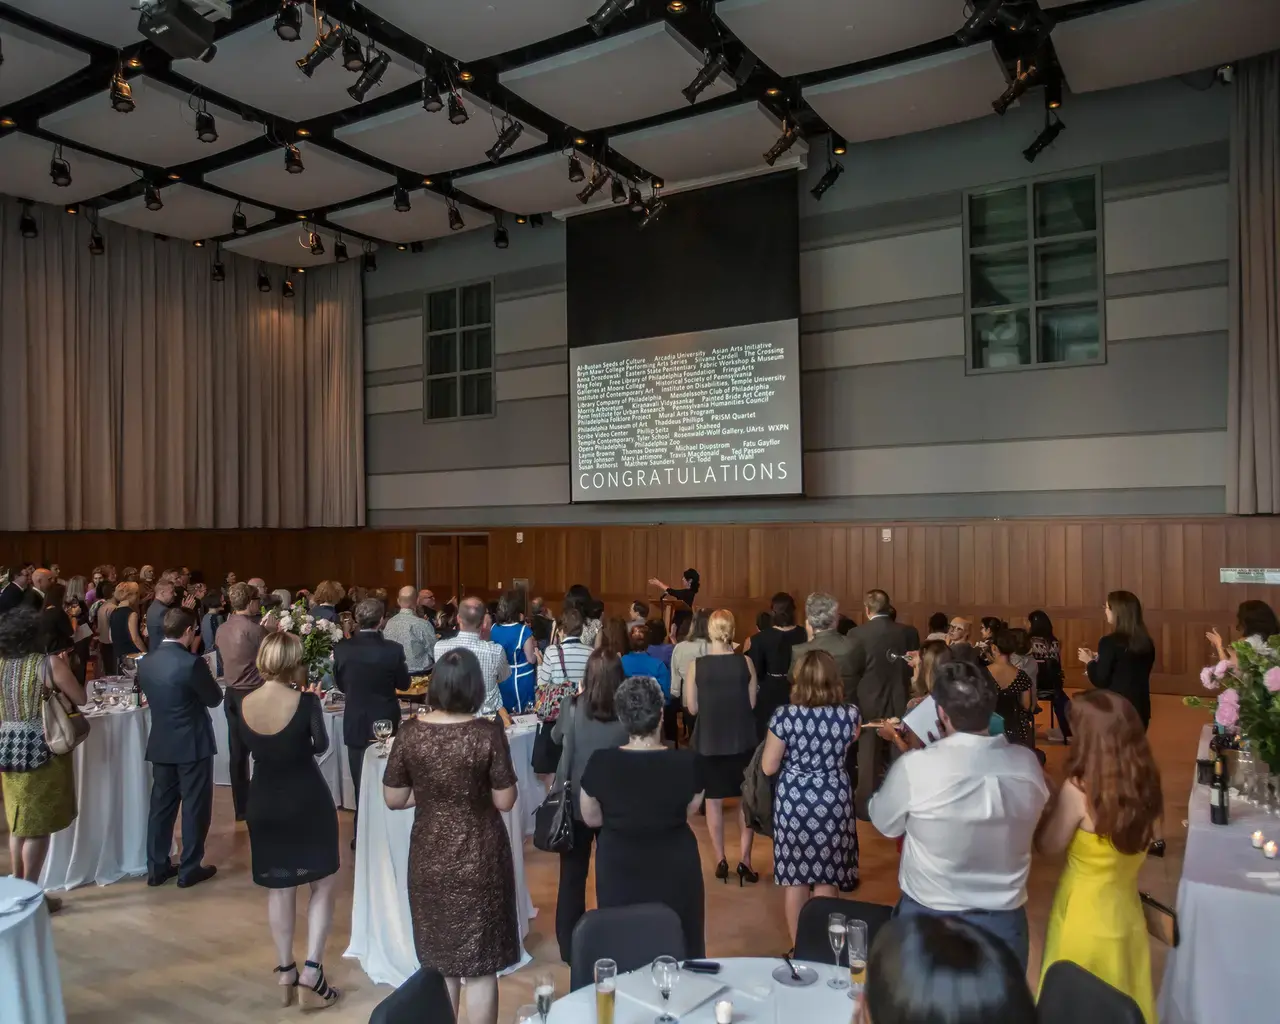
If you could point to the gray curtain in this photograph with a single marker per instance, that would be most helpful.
(1253, 399)
(138, 394)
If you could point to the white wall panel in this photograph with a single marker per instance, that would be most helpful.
(537, 321)
(1198, 311)
(918, 266)
(393, 398)
(391, 344)
(884, 343)
(467, 488)
(533, 382)
(1166, 229)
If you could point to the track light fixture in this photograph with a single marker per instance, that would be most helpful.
(635, 201)
(1052, 129)
(293, 159)
(368, 259)
(1027, 75)
(507, 136)
(618, 191)
(218, 271)
(352, 53)
(289, 21)
(370, 76)
(59, 169)
(324, 47)
(706, 76)
(287, 290)
(657, 183)
(264, 279)
(27, 226)
(416, 247)
(97, 244)
(206, 127)
(829, 176)
(121, 93)
(598, 177)
(608, 12)
(315, 242)
(456, 223)
(431, 101)
(151, 197)
(984, 13)
(501, 239)
(340, 250)
(785, 141)
(457, 112)
(239, 222)
(575, 168)
(535, 220)
(400, 199)
(652, 211)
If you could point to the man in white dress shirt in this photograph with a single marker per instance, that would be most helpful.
(968, 805)
(493, 659)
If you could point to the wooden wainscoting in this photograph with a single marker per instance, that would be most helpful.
(1005, 568)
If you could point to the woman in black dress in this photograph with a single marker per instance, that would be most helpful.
(1125, 656)
(771, 655)
(686, 592)
(293, 827)
(721, 691)
(641, 796)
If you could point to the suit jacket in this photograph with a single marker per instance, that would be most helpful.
(180, 689)
(11, 597)
(369, 669)
(882, 685)
(155, 624)
(839, 647)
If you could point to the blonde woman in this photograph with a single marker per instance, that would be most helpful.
(293, 827)
(721, 690)
(123, 624)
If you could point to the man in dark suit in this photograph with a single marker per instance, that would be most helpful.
(821, 617)
(16, 589)
(180, 689)
(41, 581)
(369, 669)
(881, 686)
(165, 599)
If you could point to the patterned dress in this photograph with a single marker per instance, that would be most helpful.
(815, 837)
(40, 802)
(1019, 723)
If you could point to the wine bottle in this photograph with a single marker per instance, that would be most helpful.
(1219, 799)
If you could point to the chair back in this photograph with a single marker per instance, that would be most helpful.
(631, 936)
(811, 931)
(1071, 994)
(423, 999)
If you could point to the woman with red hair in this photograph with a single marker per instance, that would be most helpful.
(1105, 817)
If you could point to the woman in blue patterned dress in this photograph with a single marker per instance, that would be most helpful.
(815, 838)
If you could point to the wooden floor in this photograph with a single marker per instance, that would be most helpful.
(133, 955)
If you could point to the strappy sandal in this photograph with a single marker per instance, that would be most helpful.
(320, 995)
(291, 989)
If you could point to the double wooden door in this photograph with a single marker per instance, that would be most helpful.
(455, 565)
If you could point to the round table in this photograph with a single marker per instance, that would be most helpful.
(746, 981)
(29, 975)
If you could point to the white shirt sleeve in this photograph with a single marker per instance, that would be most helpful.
(887, 808)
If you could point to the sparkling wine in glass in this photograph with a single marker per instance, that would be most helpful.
(606, 976)
(666, 972)
(544, 992)
(837, 930)
(382, 733)
(856, 940)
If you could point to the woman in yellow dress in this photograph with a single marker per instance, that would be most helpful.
(1104, 816)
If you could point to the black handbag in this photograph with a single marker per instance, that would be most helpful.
(553, 821)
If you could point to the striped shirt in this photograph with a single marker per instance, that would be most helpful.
(575, 654)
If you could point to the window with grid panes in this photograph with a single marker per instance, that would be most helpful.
(459, 357)
(1033, 274)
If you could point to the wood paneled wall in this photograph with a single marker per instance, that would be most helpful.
(1004, 568)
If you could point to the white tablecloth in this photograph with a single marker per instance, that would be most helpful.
(108, 839)
(749, 985)
(1229, 918)
(30, 985)
(381, 928)
(532, 792)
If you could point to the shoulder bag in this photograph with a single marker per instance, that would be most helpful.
(547, 699)
(64, 727)
(553, 821)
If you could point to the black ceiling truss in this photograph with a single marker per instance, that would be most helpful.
(698, 23)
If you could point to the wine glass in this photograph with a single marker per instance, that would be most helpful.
(544, 991)
(666, 972)
(526, 1014)
(382, 733)
(856, 940)
(837, 930)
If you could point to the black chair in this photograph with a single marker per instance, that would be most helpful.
(1071, 994)
(423, 999)
(630, 936)
(811, 931)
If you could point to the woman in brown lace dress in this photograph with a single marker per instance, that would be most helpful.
(455, 770)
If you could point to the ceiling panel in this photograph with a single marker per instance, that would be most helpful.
(428, 218)
(538, 185)
(287, 246)
(32, 62)
(109, 21)
(946, 88)
(161, 131)
(189, 212)
(255, 66)
(430, 143)
(1158, 38)
(481, 28)
(713, 145)
(616, 80)
(797, 36)
(327, 178)
(24, 171)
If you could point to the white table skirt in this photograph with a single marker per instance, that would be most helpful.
(1228, 917)
(749, 984)
(30, 983)
(108, 839)
(381, 927)
(532, 792)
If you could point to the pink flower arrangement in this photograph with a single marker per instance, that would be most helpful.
(1207, 678)
(1248, 694)
(1271, 679)
(1227, 713)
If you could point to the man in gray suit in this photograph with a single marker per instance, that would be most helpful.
(821, 615)
(882, 685)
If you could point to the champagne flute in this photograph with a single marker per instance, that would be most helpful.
(856, 940)
(837, 930)
(381, 733)
(606, 975)
(544, 991)
(666, 972)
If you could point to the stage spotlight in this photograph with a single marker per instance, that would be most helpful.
(1044, 140)
(26, 223)
(535, 220)
(59, 169)
(121, 94)
(652, 210)
(340, 251)
(352, 53)
(370, 76)
(1028, 75)
(239, 222)
(431, 101)
(706, 76)
(206, 127)
(618, 190)
(575, 168)
(97, 244)
(984, 13)
(838, 146)
(293, 159)
(598, 177)
(1053, 94)
(287, 290)
(785, 141)
(635, 201)
(151, 197)
(264, 279)
(456, 223)
(457, 112)
(219, 269)
(324, 47)
(501, 239)
(507, 137)
(315, 242)
(656, 183)
(828, 179)
(609, 11)
(289, 21)
(400, 200)
(417, 247)
(368, 260)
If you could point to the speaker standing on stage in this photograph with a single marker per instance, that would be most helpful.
(686, 593)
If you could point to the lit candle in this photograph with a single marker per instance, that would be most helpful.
(724, 1008)
(1270, 849)
(1257, 840)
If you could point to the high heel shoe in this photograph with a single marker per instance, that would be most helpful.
(290, 989)
(321, 994)
(722, 871)
(746, 874)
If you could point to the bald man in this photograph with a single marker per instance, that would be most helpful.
(417, 636)
(41, 581)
